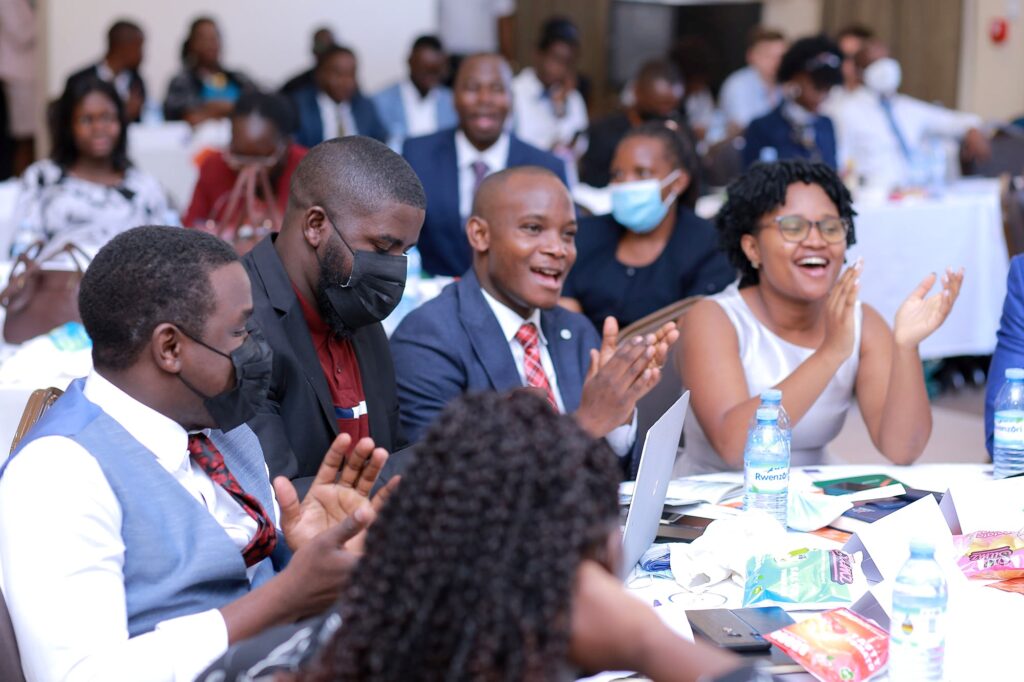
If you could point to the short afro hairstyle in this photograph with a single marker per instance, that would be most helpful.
(761, 190)
(816, 56)
(679, 152)
(269, 106)
(145, 277)
(356, 175)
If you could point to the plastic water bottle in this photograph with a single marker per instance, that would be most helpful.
(917, 630)
(766, 466)
(772, 397)
(23, 238)
(1008, 431)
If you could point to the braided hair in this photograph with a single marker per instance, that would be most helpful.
(469, 570)
(761, 190)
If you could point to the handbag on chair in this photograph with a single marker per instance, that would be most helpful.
(240, 217)
(38, 299)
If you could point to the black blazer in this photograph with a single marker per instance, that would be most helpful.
(298, 424)
(93, 72)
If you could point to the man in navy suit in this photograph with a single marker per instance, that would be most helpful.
(452, 163)
(1009, 342)
(334, 107)
(500, 327)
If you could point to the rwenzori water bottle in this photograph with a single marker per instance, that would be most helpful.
(766, 466)
(772, 397)
(917, 629)
(1008, 431)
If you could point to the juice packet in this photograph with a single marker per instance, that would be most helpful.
(991, 555)
(1011, 585)
(812, 578)
(835, 646)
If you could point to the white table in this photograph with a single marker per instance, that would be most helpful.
(902, 241)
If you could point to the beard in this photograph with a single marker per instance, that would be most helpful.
(331, 267)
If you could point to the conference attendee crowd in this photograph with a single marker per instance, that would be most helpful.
(256, 480)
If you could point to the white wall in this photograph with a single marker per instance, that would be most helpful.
(990, 74)
(268, 39)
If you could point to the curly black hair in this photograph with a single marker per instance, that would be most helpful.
(817, 56)
(65, 152)
(142, 278)
(761, 190)
(469, 569)
(679, 152)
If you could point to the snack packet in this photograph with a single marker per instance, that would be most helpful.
(1011, 585)
(815, 578)
(835, 646)
(990, 555)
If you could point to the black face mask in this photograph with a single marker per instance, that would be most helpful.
(253, 362)
(369, 295)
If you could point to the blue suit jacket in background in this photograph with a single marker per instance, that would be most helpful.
(1009, 341)
(392, 113)
(443, 244)
(773, 130)
(311, 126)
(454, 344)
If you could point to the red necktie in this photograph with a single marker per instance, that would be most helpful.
(208, 457)
(528, 338)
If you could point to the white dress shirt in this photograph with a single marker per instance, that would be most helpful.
(331, 113)
(745, 96)
(63, 556)
(620, 439)
(865, 137)
(535, 120)
(420, 112)
(495, 156)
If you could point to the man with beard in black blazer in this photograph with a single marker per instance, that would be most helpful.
(320, 289)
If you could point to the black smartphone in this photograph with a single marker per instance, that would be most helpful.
(738, 630)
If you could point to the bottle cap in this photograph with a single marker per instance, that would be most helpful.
(1014, 373)
(771, 395)
(922, 546)
(767, 414)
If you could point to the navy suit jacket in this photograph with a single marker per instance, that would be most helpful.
(311, 126)
(1009, 341)
(773, 130)
(443, 244)
(454, 344)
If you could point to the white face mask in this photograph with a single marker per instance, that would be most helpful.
(883, 76)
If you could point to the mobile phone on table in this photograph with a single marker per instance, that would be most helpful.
(738, 630)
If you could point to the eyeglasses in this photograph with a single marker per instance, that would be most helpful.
(796, 228)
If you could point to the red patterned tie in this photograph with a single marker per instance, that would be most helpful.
(206, 455)
(529, 339)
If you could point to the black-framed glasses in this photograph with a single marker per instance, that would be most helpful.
(796, 228)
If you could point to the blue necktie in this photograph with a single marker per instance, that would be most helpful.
(886, 103)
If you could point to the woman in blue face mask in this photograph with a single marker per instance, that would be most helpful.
(652, 250)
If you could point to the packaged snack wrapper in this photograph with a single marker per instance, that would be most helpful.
(813, 578)
(835, 646)
(990, 555)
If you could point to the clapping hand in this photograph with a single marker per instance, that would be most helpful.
(918, 316)
(341, 486)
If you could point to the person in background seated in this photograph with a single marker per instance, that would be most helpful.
(796, 129)
(549, 111)
(657, 95)
(421, 104)
(88, 191)
(523, 583)
(752, 91)
(1009, 342)
(850, 41)
(323, 39)
(120, 67)
(794, 322)
(880, 131)
(500, 327)
(260, 136)
(164, 539)
(334, 107)
(203, 89)
(452, 163)
(321, 287)
(652, 250)
(695, 59)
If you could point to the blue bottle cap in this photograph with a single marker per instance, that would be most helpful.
(771, 395)
(767, 414)
(922, 546)
(1015, 373)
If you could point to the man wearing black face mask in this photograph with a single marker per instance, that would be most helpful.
(321, 287)
(139, 532)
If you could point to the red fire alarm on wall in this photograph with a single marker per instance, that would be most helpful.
(998, 30)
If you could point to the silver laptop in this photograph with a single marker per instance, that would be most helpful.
(652, 477)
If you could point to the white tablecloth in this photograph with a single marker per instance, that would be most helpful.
(902, 241)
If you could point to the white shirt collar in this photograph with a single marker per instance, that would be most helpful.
(495, 156)
(510, 320)
(412, 92)
(159, 434)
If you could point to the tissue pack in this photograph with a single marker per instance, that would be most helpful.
(835, 646)
(990, 555)
(813, 577)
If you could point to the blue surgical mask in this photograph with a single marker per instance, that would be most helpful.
(637, 205)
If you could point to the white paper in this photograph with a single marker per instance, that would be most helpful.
(987, 505)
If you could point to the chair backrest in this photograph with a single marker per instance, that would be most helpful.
(653, 322)
(38, 403)
(10, 659)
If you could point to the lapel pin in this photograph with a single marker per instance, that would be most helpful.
(565, 334)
